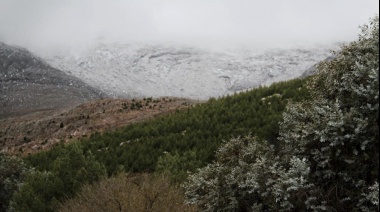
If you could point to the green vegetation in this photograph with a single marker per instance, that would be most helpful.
(12, 173)
(67, 172)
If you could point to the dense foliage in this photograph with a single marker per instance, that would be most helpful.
(329, 150)
(247, 176)
(68, 171)
(338, 132)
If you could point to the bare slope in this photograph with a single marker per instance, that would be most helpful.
(43, 130)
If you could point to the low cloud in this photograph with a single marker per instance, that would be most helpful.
(56, 23)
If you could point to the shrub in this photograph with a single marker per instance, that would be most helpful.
(140, 192)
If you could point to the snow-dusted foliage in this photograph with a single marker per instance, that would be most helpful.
(329, 156)
(234, 180)
(338, 130)
(248, 176)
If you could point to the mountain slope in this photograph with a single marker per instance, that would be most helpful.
(138, 70)
(28, 84)
(200, 129)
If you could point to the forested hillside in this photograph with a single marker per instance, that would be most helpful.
(180, 142)
(200, 129)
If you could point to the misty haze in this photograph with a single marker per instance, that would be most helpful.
(258, 24)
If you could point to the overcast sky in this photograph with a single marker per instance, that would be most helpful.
(55, 23)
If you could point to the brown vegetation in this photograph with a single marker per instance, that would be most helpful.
(141, 192)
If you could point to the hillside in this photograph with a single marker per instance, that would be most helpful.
(41, 131)
(200, 128)
(28, 84)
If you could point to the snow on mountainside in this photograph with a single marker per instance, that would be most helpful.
(124, 70)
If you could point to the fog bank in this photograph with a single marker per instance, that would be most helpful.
(39, 24)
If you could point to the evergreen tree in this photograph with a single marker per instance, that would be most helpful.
(42, 190)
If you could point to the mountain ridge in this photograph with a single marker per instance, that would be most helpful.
(29, 84)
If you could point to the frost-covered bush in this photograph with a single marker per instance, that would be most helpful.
(329, 158)
(338, 130)
(247, 176)
(234, 180)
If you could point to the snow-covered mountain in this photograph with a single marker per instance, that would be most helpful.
(125, 70)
